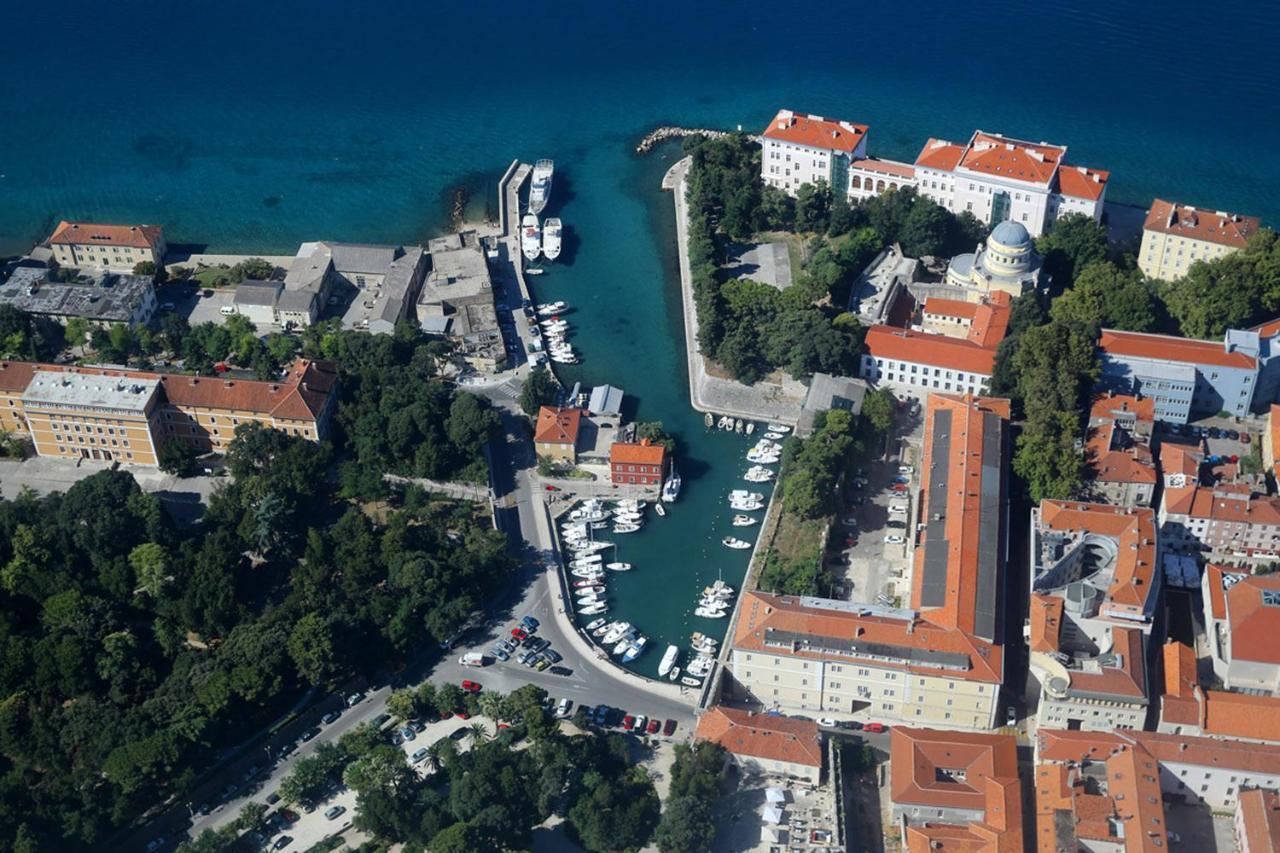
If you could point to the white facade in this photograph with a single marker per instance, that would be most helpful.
(898, 373)
(801, 149)
(1217, 787)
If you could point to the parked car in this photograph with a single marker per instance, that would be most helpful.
(282, 842)
(334, 811)
(1011, 716)
(418, 755)
(903, 480)
(529, 623)
(552, 655)
(641, 721)
(906, 469)
(653, 728)
(417, 725)
(500, 653)
(628, 722)
(309, 734)
(354, 699)
(381, 720)
(471, 686)
(563, 707)
(669, 728)
(827, 721)
(458, 734)
(875, 727)
(524, 657)
(330, 717)
(894, 539)
(519, 633)
(899, 487)
(407, 733)
(541, 663)
(561, 670)
(397, 739)
(852, 725)
(155, 844)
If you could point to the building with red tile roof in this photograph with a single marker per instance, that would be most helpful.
(1175, 236)
(998, 178)
(112, 247)
(1242, 624)
(556, 433)
(844, 658)
(1118, 449)
(641, 463)
(955, 354)
(1257, 821)
(803, 149)
(1224, 521)
(955, 790)
(767, 744)
(1182, 376)
(1187, 708)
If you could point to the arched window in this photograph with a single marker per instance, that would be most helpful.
(879, 186)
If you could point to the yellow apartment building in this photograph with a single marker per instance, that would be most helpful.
(1175, 236)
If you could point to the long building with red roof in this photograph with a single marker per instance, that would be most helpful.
(112, 247)
(803, 149)
(765, 744)
(1175, 236)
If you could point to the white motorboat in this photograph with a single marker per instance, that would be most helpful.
(674, 674)
(752, 506)
(712, 604)
(594, 589)
(624, 642)
(602, 630)
(540, 184)
(588, 558)
(598, 525)
(660, 509)
(751, 427)
(743, 493)
(552, 231)
(671, 488)
(698, 638)
(598, 545)
(594, 624)
(709, 420)
(533, 271)
(707, 613)
(773, 435)
(721, 588)
(720, 423)
(717, 593)
(530, 237)
(589, 515)
(688, 681)
(782, 428)
(618, 567)
(700, 666)
(744, 521)
(631, 503)
(566, 359)
(735, 543)
(764, 458)
(548, 309)
(668, 659)
(585, 583)
(587, 574)
(615, 632)
(739, 425)
(624, 513)
(635, 649)
(593, 609)
(758, 476)
(626, 528)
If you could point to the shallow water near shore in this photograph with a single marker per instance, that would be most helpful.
(252, 127)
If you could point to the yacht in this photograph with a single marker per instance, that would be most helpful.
(671, 488)
(668, 659)
(594, 624)
(700, 638)
(782, 428)
(758, 475)
(724, 419)
(721, 588)
(602, 630)
(587, 574)
(634, 650)
(734, 543)
(712, 603)
(773, 436)
(660, 509)
(744, 495)
(548, 309)
(708, 613)
(626, 528)
(585, 583)
(551, 232)
(593, 609)
(625, 641)
(746, 506)
(743, 521)
(618, 567)
(699, 666)
(530, 237)
(540, 185)
(615, 632)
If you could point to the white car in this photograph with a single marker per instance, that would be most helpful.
(562, 709)
(894, 539)
(906, 469)
(897, 509)
(827, 722)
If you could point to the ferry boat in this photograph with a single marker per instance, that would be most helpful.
(671, 488)
(668, 659)
(530, 237)
(540, 185)
(551, 233)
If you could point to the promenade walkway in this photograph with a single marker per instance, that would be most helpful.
(764, 401)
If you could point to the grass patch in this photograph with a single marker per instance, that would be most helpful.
(214, 276)
(793, 563)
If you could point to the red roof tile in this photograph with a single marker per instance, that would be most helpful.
(940, 154)
(1082, 182)
(765, 736)
(815, 131)
(1260, 817)
(1254, 621)
(1001, 156)
(1046, 623)
(1172, 348)
(557, 426)
(91, 233)
(934, 350)
(643, 453)
(1135, 534)
(950, 307)
(887, 167)
(1227, 229)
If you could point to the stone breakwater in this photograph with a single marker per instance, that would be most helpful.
(662, 134)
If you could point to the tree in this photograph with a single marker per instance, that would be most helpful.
(1047, 460)
(146, 268)
(311, 646)
(653, 432)
(77, 331)
(252, 268)
(813, 206)
(688, 825)
(471, 421)
(877, 408)
(925, 229)
(1105, 296)
(1074, 242)
(540, 389)
(403, 703)
(448, 699)
(307, 781)
(150, 564)
(178, 458)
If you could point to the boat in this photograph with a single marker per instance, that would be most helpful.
(746, 506)
(674, 674)
(746, 495)
(533, 271)
(583, 592)
(707, 613)
(587, 561)
(723, 420)
(691, 682)
(671, 488)
(634, 650)
(599, 525)
(586, 583)
(601, 630)
(735, 543)
(588, 574)
(721, 588)
(774, 436)
(626, 528)
(698, 638)
(618, 567)
(540, 184)
(699, 666)
(615, 632)
(624, 642)
(668, 659)
(593, 609)
(722, 593)
(551, 233)
(743, 521)
(631, 503)
(548, 309)
(598, 545)
(708, 420)
(626, 514)
(782, 428)
(739, 425)
(591, 626)
(530, 237)
(660, 509)
(751, 427)
(754, 476)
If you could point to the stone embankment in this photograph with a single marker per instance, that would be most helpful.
(662, 134)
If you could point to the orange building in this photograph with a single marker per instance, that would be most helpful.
(765, 743)
(556, 434)
(643, 464)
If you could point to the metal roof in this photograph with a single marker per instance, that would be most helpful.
(605, 399)
(362, 257)
(856, 648)
(933, 586)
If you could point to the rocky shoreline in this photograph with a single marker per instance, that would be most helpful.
(662, 134)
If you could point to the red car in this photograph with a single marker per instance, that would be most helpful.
(899, 487)
(874, 727)
(470, 686)
(463, 715)
(653, 727)
(670, 728)
(519, 633)
(628, 722)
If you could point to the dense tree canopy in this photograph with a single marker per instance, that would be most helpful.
(1235, 291)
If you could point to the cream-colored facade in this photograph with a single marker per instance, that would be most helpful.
(1176, 236)
(118, 248)
(1169, 256)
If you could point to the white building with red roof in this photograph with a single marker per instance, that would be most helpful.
(998, 178)
(1223, 521)
(1174, 236)
(803, 149)
(118, 248)
(765, 744)
(1242, 626)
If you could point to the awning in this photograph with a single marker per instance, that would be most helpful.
(772, 814)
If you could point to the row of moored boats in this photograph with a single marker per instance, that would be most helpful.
(587, 566)
(554, 330)
(767, 451)
(540, 239)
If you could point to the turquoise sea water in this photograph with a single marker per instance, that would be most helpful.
(250, 126)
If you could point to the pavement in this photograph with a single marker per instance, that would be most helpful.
(767, 263)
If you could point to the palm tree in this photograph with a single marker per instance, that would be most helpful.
(433, 754)
(477, 732)
(491, 705)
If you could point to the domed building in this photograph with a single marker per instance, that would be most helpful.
(1008, 263)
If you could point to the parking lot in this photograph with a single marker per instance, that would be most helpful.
(870, 552)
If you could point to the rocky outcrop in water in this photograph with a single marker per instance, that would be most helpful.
(662, 134)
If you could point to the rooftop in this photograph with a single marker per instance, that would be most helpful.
(103, 298)
(1063, 745)
(1213, 226)
(1253, 616)
(642, 453)
(830, 392)
(1082, 182)
(100, 234)
(773, 738)
(1015, 159)
(1223, 502)
(1170, 348)
(925, 348)
(116, 392)
(1259, 812)
(366, 258)
(557, 426)
(1126, 536)
(815, 131)
(940, 154)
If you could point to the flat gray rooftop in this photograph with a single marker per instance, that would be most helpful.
(118, 393)
(106, 298)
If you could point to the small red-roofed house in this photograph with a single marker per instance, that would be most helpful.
(765, 744)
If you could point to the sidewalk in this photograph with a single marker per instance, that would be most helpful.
(764, 401)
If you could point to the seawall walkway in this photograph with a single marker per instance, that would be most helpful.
(764, 401)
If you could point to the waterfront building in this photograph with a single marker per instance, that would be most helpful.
(1006, 263)
(556, 433)
(639, 464)
(1190, 708)
(457, 303)
(1242, 625)
(605, 401)
(1223, 521)
(1195, 771)
(998, 178)
(945, 362)
(937, 662)
(871, 176)
(1175, 236)
(102, 298)
(110, 414)
(256, 301)
(828, 392)
(955, 789)
(1256, 825)
(764, 744)
(1122, 467)
(883, 283)
(118, 248)
(1182, 376)
(800, 149)
(1095, 594)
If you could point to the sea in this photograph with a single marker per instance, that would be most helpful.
(252, 126)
